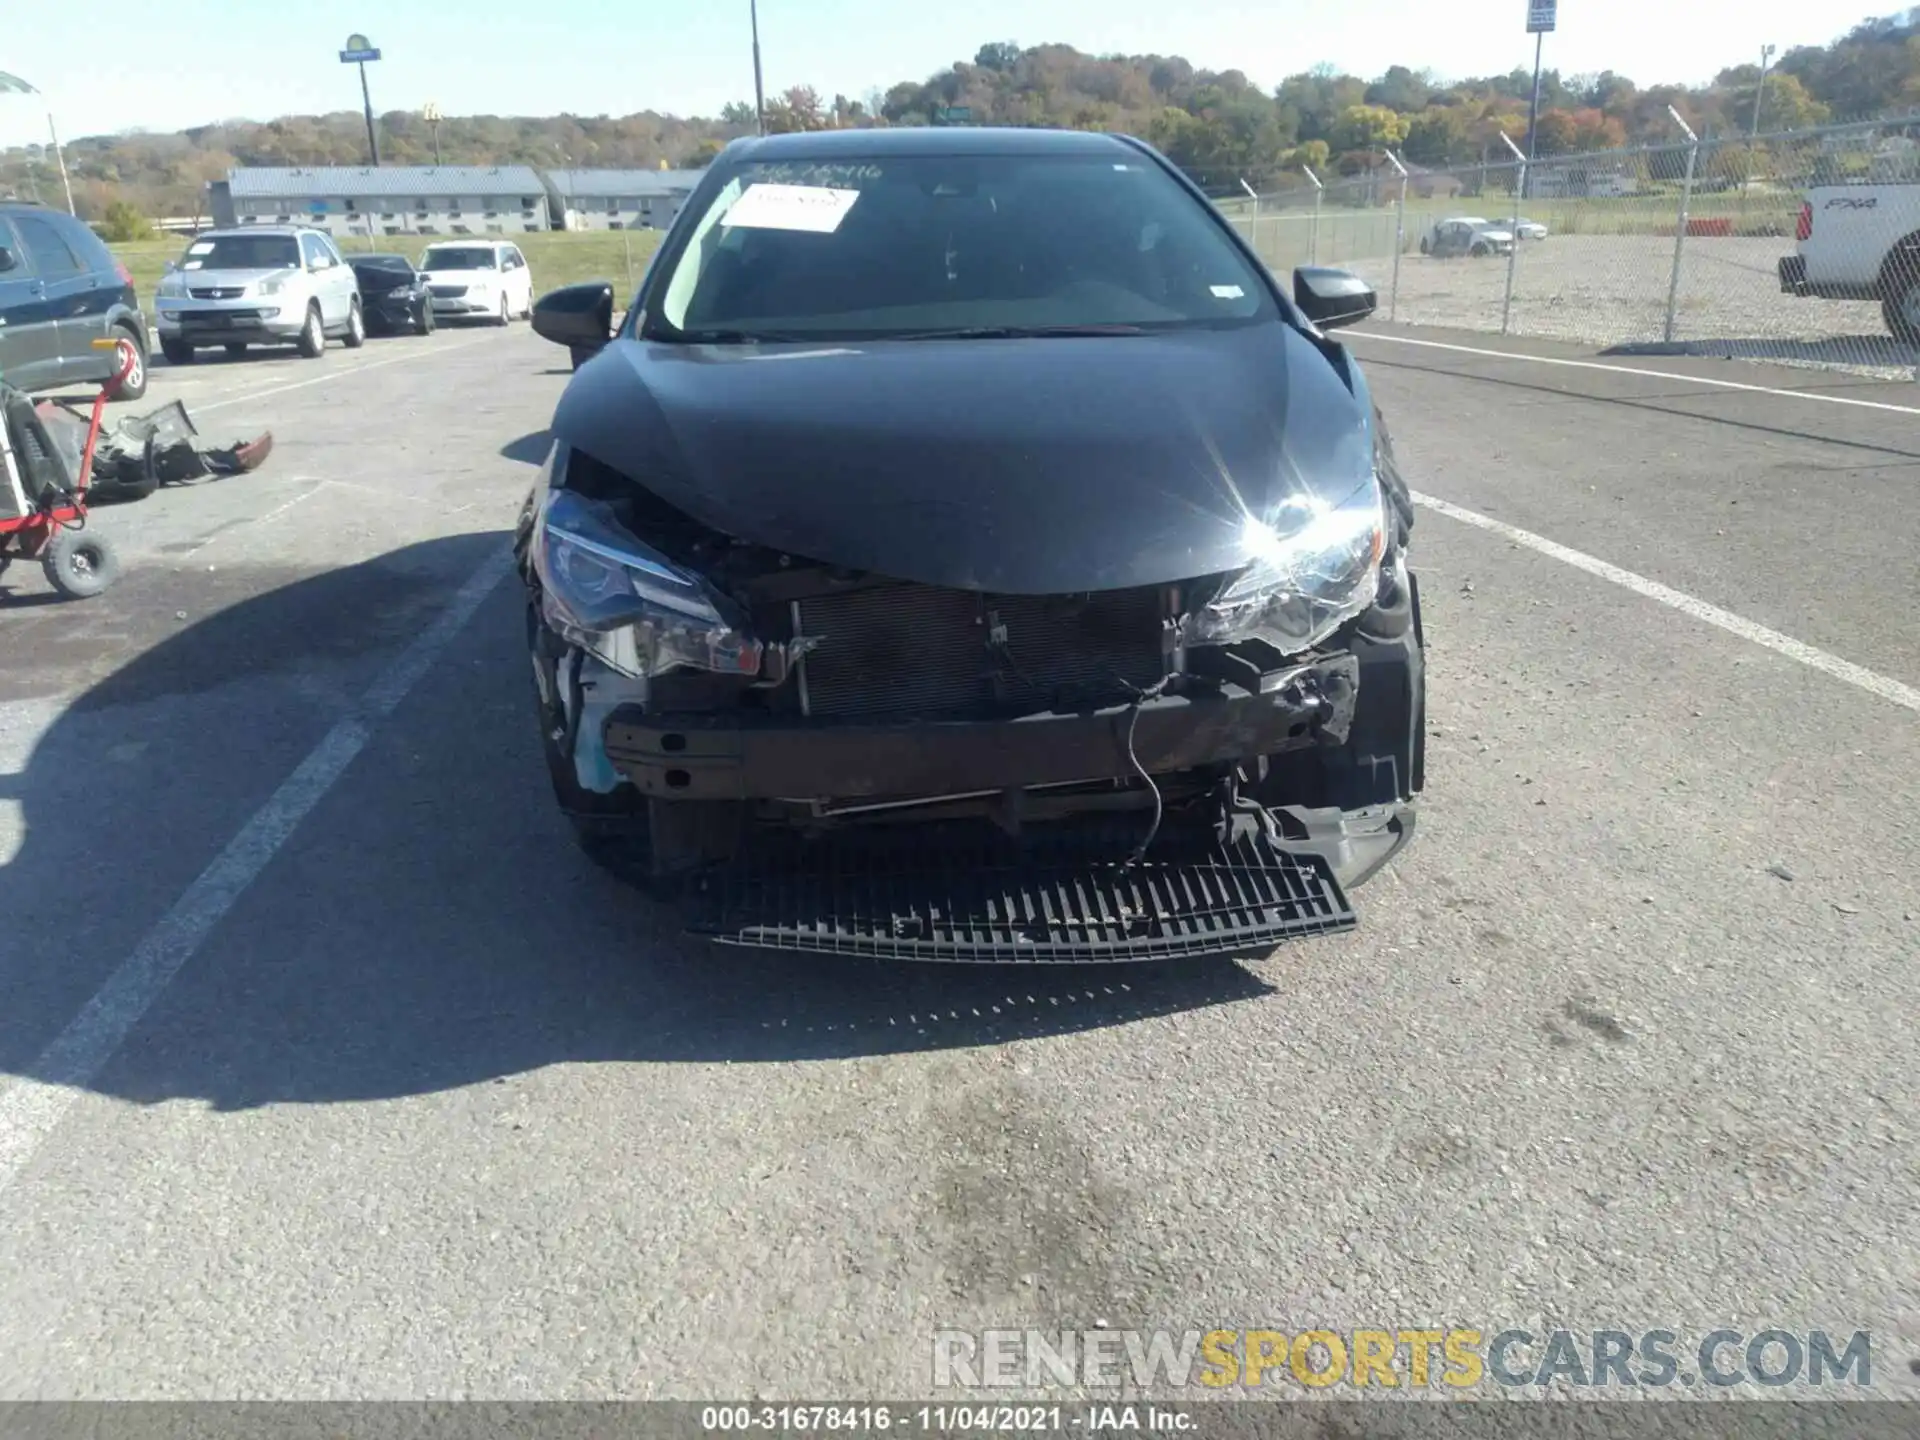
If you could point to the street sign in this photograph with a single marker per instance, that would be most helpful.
(1540, 16)
(953, 115)
(348, 57)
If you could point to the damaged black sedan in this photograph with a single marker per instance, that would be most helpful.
(963, 549)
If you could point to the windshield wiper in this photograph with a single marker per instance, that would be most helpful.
(725, 337)
(1018, 332)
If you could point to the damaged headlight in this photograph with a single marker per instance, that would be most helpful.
(607, 591)
(1316, 567)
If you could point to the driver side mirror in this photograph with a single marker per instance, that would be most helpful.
(7, 262)
(579, 317)
(1332, 298)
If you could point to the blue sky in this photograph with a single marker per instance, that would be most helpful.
(188, 62)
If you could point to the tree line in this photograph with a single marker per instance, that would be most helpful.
(1217, 124)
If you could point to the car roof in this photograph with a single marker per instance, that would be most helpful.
(928, 140)
(231, 230)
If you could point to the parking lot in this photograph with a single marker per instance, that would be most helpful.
(332, 1070)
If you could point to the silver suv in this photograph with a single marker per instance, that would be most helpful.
(258, 285)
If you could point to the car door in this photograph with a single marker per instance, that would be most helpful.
(64, 283)
(318, 266)
(29, 343)
(342, 275)
(523, 280)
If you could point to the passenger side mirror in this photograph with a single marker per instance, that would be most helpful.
(579, 317)
(7, 262)
(1332, 298)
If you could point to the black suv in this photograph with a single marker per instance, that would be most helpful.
(60, 290)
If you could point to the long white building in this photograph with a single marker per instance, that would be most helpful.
(619, 199)
(388, 200)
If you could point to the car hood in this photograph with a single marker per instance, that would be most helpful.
(204, 279)
(376, 281)
(1054, 465)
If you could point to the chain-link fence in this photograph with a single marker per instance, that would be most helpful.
(1801, 247)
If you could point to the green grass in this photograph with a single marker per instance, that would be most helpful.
(556, 257)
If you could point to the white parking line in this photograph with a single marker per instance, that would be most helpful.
(1871, 681)
(1635, 370)
(35, 1103)
(342, 374)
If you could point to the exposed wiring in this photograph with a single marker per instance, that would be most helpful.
(1140, 698)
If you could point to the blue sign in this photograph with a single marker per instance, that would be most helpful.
(347, 57)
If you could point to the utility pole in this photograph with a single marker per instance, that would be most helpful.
(1759, 92)
(430, 113)
(759, 95)
(358, 52)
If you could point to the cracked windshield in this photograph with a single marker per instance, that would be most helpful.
(1061, 716)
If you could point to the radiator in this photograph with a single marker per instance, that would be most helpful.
(922, 651)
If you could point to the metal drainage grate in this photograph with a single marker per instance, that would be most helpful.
(1047, 909)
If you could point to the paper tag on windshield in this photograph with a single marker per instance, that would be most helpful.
(1228, 292)
(791, 207)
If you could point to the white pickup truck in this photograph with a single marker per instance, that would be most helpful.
(1861, 242)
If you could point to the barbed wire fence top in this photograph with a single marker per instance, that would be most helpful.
(1672, 248)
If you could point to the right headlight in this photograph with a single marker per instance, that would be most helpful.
(597, 579)
(1315, 567)
(172, 287)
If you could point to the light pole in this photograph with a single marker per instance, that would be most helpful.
(14, 85)
(1541, 18)
(430, 112)
(358, 52)
(1759, 92)
(759, 95)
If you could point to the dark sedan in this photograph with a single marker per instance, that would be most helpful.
(393, 295)
(964, 549)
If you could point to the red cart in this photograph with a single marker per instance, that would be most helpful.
(43, 501)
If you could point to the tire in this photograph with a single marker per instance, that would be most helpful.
(1426, 246)
(1900, 297)
(79, 563)
(424, 325)
(506, 314)
(1479, 251)
(134, 387)
(235, 349)
(313, 335)
(356, 335)
(178, 352)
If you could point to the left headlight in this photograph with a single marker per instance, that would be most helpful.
(272, 285)
(1316, 567)
(599, 580)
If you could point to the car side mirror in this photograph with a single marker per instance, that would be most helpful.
(1332, 298)
(579, 317)
(7, 262)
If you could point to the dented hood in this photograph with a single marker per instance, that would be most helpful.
(1019, 466)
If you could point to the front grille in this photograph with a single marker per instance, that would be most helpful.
(218, 292)
(448, 292)
(918, 896)
(920, 650)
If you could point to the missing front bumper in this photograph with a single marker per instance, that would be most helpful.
(730, 756)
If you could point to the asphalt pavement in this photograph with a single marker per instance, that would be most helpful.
(331, 1070)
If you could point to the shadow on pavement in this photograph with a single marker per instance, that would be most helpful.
(430, 924)
(1879, 351)
(529, 449)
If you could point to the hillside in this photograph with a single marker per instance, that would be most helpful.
(1218, 124)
